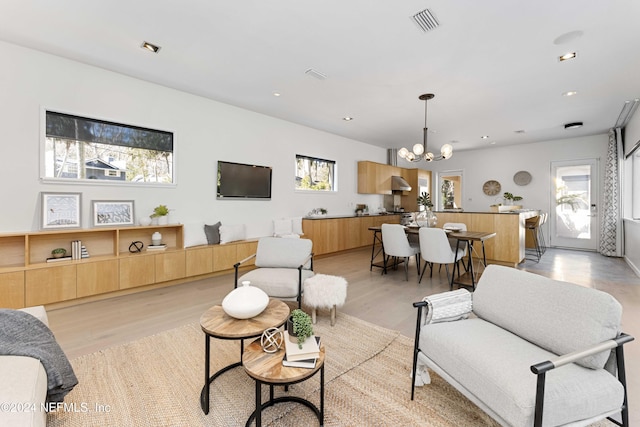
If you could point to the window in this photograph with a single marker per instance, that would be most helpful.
(78, 148)
(313, 174)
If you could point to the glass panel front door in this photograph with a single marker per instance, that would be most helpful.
(574, 204)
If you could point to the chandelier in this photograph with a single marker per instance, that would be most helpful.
(419, 151)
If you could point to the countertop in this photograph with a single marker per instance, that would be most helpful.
(515, 212)
(348, 216)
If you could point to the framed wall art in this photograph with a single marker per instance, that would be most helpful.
(61, 210)
(112, 213)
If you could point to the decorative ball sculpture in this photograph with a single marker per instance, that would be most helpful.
(245, 301)
(271, 340)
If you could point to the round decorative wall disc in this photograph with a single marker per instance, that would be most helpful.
(491, 188)
(522, 178)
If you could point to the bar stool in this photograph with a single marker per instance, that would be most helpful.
(532, 226)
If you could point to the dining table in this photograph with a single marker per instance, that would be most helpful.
(468, 238)
(467, 279)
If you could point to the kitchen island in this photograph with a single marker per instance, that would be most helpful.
(508, 246)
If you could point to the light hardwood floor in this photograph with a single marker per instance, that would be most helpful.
(381, 299)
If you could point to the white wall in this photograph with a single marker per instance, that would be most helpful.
(502, 163)
(205, 131)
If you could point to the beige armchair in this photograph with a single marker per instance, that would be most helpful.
(282, 267)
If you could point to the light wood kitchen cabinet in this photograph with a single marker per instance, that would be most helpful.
(97, 277)
(375, 178)
(338, 234)
(12, 290)
(415, 177)
(47, 285)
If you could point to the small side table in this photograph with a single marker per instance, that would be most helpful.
(215, 323)
(267, 368)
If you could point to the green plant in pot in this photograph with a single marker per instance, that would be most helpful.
(58, 252)
(511, 197)
(425, 200)
(299, 326)
(161, 210)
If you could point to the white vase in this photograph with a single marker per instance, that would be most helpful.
(156, 239)
(144, 221)
(245, 301)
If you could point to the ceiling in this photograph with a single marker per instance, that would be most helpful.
(492, 65)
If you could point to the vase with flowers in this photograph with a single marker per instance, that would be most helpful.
(426, 217)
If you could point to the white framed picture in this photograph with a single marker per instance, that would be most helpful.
(61, 210)
(112, 213)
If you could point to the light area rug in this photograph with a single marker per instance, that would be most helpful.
(157, 380)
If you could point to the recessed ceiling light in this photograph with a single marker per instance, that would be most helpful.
(276, 94)
(519, 131)
(570, 93)
(492, 143)
(150, 47)
(484, 137)
(566, 56)
(573, 125)
(347, 119)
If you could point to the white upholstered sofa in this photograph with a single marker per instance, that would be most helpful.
(24, 385)
(532, 351)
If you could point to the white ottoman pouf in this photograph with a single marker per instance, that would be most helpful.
(324, 291)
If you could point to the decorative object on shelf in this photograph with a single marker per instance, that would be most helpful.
(420, 152)
(510, 198)
(136, 247)
(160, 213)
(144, 221)
(61, 210)
(156, 239)
(84, 253)
(271, 340)
(491, 188)
(105, 213)
(317, 212)
(245, 301)
(299, 327)
(522, 178)
(58, 252)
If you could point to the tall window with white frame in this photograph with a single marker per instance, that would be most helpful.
(79, 148)
(314, 174)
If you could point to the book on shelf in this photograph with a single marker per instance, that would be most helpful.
(310, 348)
(62, 258)
(76, 249)
(304, 363)
(161, 247)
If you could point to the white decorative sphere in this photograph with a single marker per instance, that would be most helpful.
(245, 301)
(271, 340)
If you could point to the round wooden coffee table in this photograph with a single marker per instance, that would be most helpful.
(267, 368)
(215, 323)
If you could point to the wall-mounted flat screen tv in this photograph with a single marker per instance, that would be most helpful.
(241, 181)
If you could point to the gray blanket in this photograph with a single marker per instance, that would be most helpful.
(22, 334)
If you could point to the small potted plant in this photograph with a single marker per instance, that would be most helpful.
(299, 327)
(160, 212)
(425, 200)
(511, 198)
(58, 252)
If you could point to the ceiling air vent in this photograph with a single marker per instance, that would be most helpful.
(425, 20)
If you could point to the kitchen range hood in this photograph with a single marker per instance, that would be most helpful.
(398, 183)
